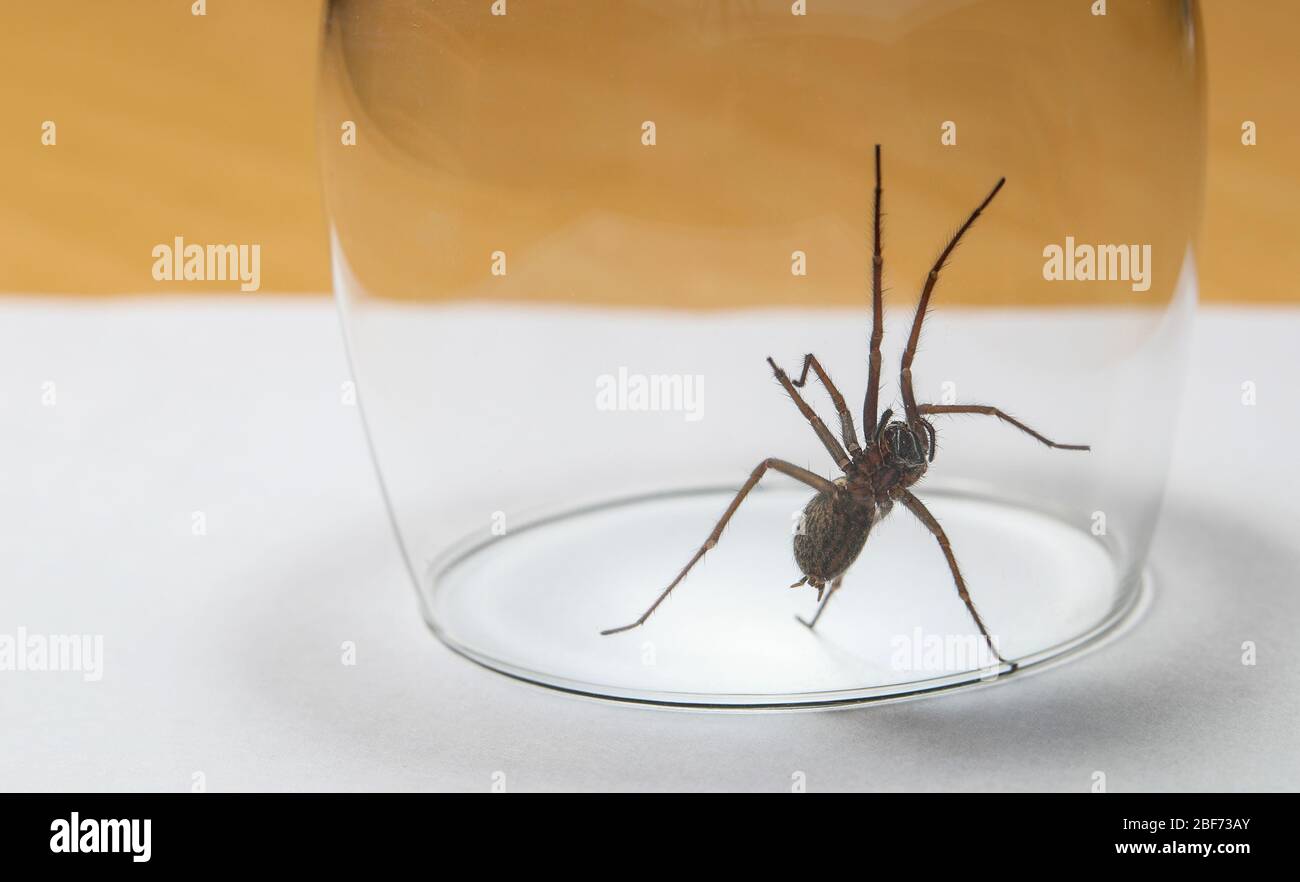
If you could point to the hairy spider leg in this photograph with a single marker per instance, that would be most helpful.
(813, 480)
(846, 419)
(923, 515)
(877, 318)
(986, 410)
(933, 437)
(884, 421)
(905, 378)
(832, 446)
(835, 586)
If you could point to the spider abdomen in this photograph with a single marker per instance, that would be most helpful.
(831, 535)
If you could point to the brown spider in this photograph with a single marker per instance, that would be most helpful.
(838, 519)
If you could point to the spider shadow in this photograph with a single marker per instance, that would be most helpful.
(1182, 685)
(415, 715)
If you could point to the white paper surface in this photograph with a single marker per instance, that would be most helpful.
(221, 652)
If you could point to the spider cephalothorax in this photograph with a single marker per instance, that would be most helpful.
(835, 524)
(898, 457)
(905, 446)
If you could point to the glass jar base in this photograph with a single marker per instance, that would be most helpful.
(531, 603)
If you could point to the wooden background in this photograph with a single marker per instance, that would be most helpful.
(168, 122)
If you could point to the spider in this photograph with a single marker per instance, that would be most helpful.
(837, 521)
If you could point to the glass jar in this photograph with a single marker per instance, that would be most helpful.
(567, 236)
